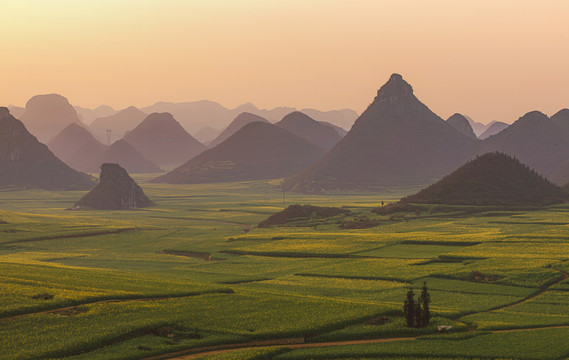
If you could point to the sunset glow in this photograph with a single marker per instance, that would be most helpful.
(491, 60)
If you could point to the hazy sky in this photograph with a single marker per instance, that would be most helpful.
(492, 60)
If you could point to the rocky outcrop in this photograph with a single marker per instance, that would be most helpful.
(116, 191)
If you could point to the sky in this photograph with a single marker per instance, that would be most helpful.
(490, 60)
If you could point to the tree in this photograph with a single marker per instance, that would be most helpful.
(409, 308)
(425, 300)
(418, 315)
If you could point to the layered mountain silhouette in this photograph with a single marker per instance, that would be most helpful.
(461, 123)
(119, 123)
(493, 128)
(259, 150)
(24, 161)
(116, 191)
(492, 179)
(206, 135)
(122, 153)
(396, 141)
(237, 123)
(162, 140)
(47, 115)
(16, 111)
(87, 116)
(78, 148)
(196, 115)
(311, 130)
(533, 139)
(477, 127)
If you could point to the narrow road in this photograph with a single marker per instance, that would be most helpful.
(298, 344)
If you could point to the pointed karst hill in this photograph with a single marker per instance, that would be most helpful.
(311, 130)
(47, 115)
(257, 151)
(461, 123)
(24, 161)
(237, 123)
(396, 141)
(116, 191)
(162, 140)
(491, 179)
(561, 118)
(533, 139)
(77, 147)
(119, 123)
(493, 129)
(124, 154)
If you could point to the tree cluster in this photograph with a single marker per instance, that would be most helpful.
(417, 313)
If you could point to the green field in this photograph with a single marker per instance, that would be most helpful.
(195, 272)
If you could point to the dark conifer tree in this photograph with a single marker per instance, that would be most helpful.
(418, 315)
(409, 308)
(425, 300)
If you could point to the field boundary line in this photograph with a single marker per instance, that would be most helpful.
(110, 301)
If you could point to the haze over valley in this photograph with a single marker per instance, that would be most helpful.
(282, 180)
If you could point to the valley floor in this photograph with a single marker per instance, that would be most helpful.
(194, 278)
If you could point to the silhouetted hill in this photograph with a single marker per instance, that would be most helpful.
(47, 115)
(396, 141)
(196, 115)
(122, 153)
(533, 139)
(87, 116)
(162, 140)
(561, 118)
(311, 130)
(493, 129)
(237, 123)
(258, 150)
(121, 122)
(77, 147)
(491, 179)
(116, 191)
(206, 135)
(338, 129)
(24, 161)
(461, 123)
(477, 127)
(16, 111)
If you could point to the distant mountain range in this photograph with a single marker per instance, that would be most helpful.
(200, 114)
(241, 120)
(162, 140)
(119, 123)
(318, 133)
(25, 162)
(257, 151)
(46, 115)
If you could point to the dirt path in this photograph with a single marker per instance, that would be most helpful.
(289, 343)
(299, 344)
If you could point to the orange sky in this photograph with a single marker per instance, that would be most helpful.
(492, 60)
